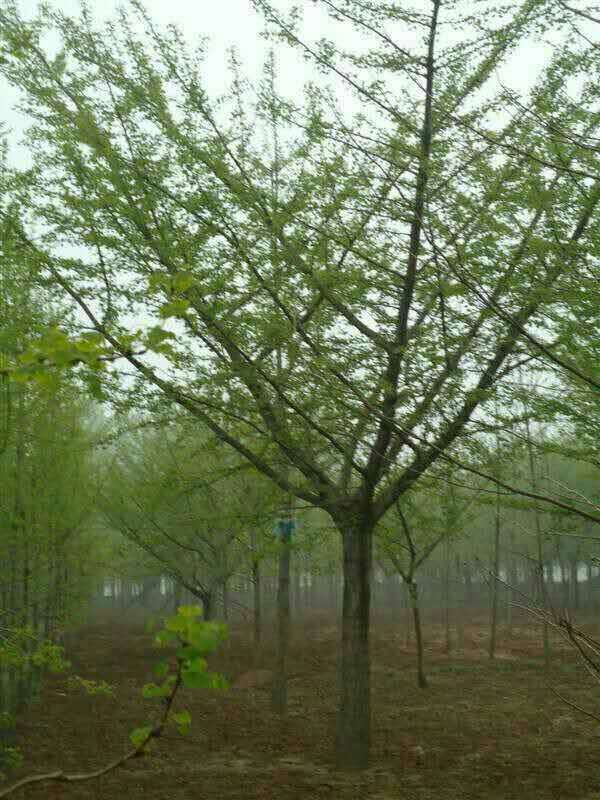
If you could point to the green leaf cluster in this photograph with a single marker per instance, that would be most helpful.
(195, 639)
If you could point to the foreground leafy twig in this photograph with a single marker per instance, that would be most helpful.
(195, 639)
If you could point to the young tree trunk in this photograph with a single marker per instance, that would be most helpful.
(297, 591)
(512, 595)
(495, 585)
(447, 596)
(225, 597)
(564, 579)
(176, 596)
(353, 734)
(468, 584)
(574, 585)
(256, 601)
(460, 612)
(279, 688)
(414, 601)
(589, 592)
(540, 552)
(407, 606)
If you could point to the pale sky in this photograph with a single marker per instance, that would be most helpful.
(226, 22)
(235, 23)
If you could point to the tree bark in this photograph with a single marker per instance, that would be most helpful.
(447, 596)
(176, 596)
(256, 602)
(589, 593)
(461, 610)
(540, 552)
(279, 688)
(207, 603)
(574, 584)
(225, 597)
(468, 585)
(495, 579)
(353, 734)
(414, 601)
(513, 580)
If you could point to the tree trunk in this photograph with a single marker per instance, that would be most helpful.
(468, 585)
(332, 592)
(564, 579)
(512, 595)
(495, 579)
(256, 602)
(540, 553)
(225, 597)
(176, 596)
(461, 611)
(414, 601)
(447, 596)
(279, 689)
(207, 603)
(574, 585)
(408, 627)
(353, 732)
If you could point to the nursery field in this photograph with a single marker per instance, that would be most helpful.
(481, 730)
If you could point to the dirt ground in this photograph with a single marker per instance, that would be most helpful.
(481, 730)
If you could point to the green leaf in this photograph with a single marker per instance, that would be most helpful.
(196, 664)
(158, 280)
(189, 612)
(219, 681)
(165, 637)
(182, 281)
(183, 720)
(197, 680)
(188, 652)
(207, 637)
(139, 735)
(161, 669)
(175, 308)
(157, 336)
(151, 690)
(176, 625)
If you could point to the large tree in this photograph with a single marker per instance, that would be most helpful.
(340, 298)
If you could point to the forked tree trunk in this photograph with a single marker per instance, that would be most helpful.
(414, 601)
(353, 734)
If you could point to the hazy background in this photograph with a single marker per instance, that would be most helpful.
(235, 23)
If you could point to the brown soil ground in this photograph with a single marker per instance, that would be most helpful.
(481, 730)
